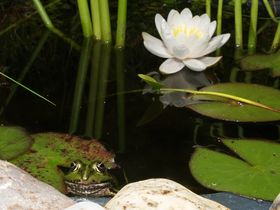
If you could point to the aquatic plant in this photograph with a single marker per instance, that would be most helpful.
(186, 40)
(253, 171)
(254, 16)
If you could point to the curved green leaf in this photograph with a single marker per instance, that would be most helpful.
(256, 175)
(224, 109)
(151, 81)
(259, 62)
(13, 142)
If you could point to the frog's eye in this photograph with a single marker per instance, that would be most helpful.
(99, 167)
(75, 165)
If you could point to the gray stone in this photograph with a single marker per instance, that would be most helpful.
(161, 194)
(20, 191)
(276, 203)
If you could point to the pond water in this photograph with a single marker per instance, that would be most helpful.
(149, 140)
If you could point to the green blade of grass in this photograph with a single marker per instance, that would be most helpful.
(28, 89)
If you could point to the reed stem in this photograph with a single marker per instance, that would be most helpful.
(42, 12)
(276, 39)
(95, 15)
(121, 23)
(85, 18)
(269, 10)
(105, 20)
(238, 23)
(208, 7)
(252, 39)
(219, 17)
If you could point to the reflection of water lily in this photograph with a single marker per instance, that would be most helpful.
(181, 80)
(185, 41)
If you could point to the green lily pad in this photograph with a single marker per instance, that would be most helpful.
(255, 174)
(14, 141)
(51, 150)
(259, 62)
(230, 110)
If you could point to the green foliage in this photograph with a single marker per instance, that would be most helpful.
(259, 62)
(151, 81)
(254, 173)
(230, 110)
(239, 102)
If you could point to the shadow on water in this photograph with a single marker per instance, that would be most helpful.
(150, 138)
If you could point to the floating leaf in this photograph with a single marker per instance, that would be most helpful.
(258, 62)
(231, 110)
(256, 174)
(151, 81)
(51, 150)
(13, 142)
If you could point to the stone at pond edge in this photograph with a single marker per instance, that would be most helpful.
(19, 190)
(159, 194)
(276, 203)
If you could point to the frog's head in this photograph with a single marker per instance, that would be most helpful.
(88, 179)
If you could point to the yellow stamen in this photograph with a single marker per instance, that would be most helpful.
(187, 31)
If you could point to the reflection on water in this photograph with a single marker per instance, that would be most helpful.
(84, 86)
(184, 79)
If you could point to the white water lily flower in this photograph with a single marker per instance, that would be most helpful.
(186, 40)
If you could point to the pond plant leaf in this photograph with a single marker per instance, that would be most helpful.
(232, 110)
(216, 95)
(151, 81)
(254, 173)
(259, 62)
(51, 150)
(14, 141)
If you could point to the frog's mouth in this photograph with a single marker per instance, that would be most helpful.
(88, 189)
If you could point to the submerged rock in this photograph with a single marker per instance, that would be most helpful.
(21, 191)
(160, 194)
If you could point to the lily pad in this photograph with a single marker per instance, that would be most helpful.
(51, 150)
(256, 173)
(14, 141)
(230, 110)
(259, 62)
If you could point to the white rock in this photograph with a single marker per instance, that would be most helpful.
(276, 203)
(161, 194)
(21, 191)
(85, 205)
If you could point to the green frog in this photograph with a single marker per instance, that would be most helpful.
(89, 179)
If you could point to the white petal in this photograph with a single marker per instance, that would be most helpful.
(174, 19)
(155, 46)
(158, 21)
(194, 64)
(216, 43)
(171, 15)
(210, 61)
(171, 66)
(224, 40)
(198, 49)
(180, 51)
(212, 28)
(186, 13)
(204, 21)
(167, 37)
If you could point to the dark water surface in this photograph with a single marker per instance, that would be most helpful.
(156, 146)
